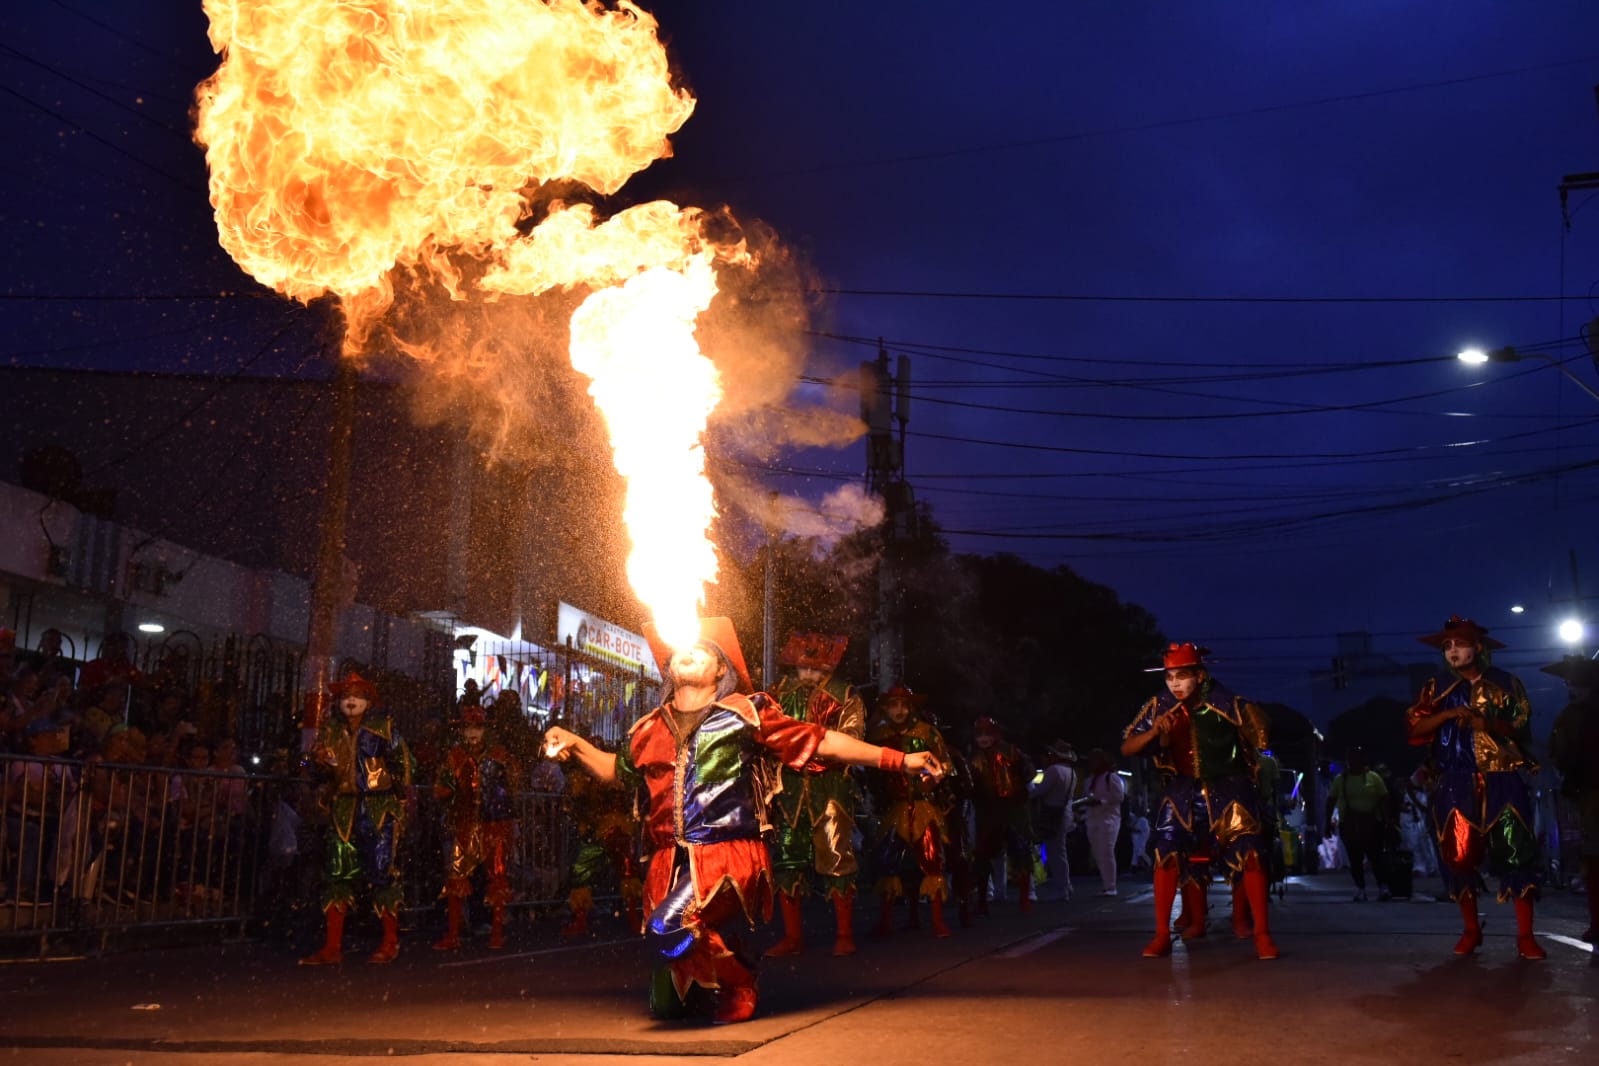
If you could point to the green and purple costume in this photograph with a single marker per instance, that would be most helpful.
(365, 800)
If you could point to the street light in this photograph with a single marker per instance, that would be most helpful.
(1507, 354)
(1571, 631)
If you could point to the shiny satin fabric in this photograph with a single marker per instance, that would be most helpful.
(486, 845)
(1218, 737)
(370, 853)
(1218, 819)
(1480, 808)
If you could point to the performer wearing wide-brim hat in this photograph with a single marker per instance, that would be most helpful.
(1477, 721)
(1206, 743)
(699, 755)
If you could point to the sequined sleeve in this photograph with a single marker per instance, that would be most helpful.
(792, 741)
(852, 719)
(1145, 720)
(1253, 726)
(1522, 713)
(1419, 710)
(627, 772)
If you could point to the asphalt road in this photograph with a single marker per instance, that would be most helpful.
(1373, 981)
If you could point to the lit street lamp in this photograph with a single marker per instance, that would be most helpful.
(1571, 631)
(1507, 354)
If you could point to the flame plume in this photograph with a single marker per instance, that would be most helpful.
(348, 140)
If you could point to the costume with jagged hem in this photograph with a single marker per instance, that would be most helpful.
(1480, 807)
(912, 828)
(479, 820)
(999, 805)
(1210, 804)
(365, 797)
(814, 809)
(703, 826)
(608, 847)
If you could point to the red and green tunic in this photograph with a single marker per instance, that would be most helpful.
(815, 808)
(704, 819)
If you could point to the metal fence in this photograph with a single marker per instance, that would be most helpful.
(92, 850)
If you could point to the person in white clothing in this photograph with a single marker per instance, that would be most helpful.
(1102, 812)
(1140, 840)
(1052, 789)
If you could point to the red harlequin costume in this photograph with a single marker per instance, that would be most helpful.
(479, 823)
(702, 830)
(813, 811)
(702, 760)
(913, 833)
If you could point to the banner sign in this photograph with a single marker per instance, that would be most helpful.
(604, 640)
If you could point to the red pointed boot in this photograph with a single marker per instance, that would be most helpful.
(793, 942)
(332, 951)
(452, 934)
(389, 949)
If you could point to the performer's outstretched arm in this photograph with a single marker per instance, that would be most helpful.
(561, 744)
(843, 748)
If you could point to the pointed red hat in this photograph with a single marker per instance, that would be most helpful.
(717, 631)
(900, 692)
(820, 651)
(353, 684)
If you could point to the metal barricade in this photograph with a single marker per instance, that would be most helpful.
(90, 849)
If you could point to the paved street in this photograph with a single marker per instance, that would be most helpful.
(1373, 981)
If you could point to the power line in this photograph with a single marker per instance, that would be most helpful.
(1162, 124)
(1057, 297)
(180, 182)
(1373, 453)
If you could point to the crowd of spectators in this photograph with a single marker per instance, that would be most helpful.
(123, 786)
(113, 791)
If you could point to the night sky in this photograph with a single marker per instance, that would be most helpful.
(1181, 284)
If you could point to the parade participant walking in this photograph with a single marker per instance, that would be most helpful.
(1476, 719)
(814, 812)
(1000, 772)
(1574, 749)
(700, 755)
(475, 783)
(1053, 789)
(1360, 799)
(367, 774)
(607, 852)
(913, 834)
(1205, 742)
(1102, 815)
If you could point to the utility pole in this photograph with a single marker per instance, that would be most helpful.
(885, 405)
(769, 600)
(1577, 182)
(327, 584)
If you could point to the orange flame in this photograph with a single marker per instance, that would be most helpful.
(349, 139)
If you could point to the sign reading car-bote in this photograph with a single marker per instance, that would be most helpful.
(604, 640)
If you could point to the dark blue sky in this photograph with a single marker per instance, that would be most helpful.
(1179, 281)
